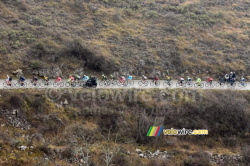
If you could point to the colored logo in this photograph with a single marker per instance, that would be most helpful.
(154, 131)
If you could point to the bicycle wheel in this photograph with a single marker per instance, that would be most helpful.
(108, 82)
(190, 84)
(165, 84)
(202, 85)
(61, 84)
(140, 83)
(17, 85)
(101, 83)
(220, 84)
(30, 84)
(67, 84)
(24, 85)
(55, 84)
(5, 85)
(73, 84)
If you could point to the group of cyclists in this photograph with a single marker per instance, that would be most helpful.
(74, 78)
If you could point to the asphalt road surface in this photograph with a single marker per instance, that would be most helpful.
(135, 84)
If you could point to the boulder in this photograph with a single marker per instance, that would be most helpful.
(138, 151)
(141, 155)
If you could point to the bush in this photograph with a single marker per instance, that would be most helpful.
(245, 152)
(201, 159)
(230, 141)
(15, 101)
(109, 122)
(121, 160)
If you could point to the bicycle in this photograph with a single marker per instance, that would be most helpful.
(231, 84)
(45, 83)
(143, 83)
(155, 82)
(168, 83)
(56, 84)
(122, 82)
(72, 84)
(196, 85)
(179, 84)
(209, 84)
(18, 84)
(33, 83)
(7, 84)
(113, 82)
(220, 83)
(104, 83)
(130, 82)
(242, 84)
(189, 83)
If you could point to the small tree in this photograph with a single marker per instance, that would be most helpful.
(109, 151)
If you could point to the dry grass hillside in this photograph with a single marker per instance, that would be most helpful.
(199, 37)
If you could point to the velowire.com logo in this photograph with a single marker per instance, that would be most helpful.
(155, 131)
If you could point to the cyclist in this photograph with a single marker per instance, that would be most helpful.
(22, 79)
(221, 80)
(58, 79)
(112, 78)
(35, 79)
(242, 81)
(234, 76)
(129, 78)
(104, 78)
(77, 77)
(226, 78)
(198, 81)
(230, 76)
(8, 80)
(168, 79)
(181, 80)
(122, 79)
(155, 79)
(72, 79)
(46, 79)
(189, 80)
(85, 78)
(210, 80)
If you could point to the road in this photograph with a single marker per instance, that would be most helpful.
(135, 85)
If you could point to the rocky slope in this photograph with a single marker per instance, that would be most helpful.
(76, 127)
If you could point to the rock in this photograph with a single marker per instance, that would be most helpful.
(157, 152)
(14, 112)
(82, 161)
(141, 155)
(23, 148)
(138, 151)
(31, 147)
(65, 102)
